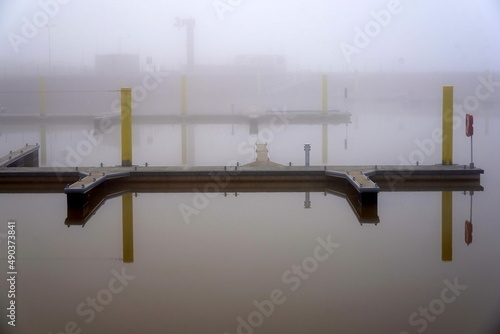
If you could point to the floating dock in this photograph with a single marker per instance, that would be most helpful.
(24, 157)
(365, 180)
(89, 181)
(87, 188)
(359, 176)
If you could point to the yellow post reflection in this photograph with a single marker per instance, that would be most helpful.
(447, 226)
(128, 228)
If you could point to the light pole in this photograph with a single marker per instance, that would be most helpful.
(189, 24)
(49, 26)
(307, 149)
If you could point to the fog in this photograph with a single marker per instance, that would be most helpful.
(324, 35)
(359, 83)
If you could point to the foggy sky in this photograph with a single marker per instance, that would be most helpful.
(424, 35)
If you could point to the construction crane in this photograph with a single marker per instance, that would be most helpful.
(189, 24)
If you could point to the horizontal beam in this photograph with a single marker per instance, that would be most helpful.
(292, 117)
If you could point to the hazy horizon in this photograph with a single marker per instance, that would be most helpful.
(388, 35)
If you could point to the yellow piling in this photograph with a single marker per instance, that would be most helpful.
(325, 94)
(184, 144)
(324, 108)
(128, 228)
(325, 144)
(259, 89)
(259, 82)
(42, 96)
(447, 151)
(43, 141)
(183, 126)
(126, 121)
(43, 145)
(447, 226)
(183, 96)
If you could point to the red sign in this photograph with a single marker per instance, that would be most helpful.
(469, 125)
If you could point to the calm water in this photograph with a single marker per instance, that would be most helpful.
(233, 268)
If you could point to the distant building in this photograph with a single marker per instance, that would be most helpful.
(117, 64)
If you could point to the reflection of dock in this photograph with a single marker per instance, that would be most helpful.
(360, 185)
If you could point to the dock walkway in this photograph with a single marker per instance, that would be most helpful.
(26, 156)
(365, 179)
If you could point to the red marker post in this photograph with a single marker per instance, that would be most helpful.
(469, 131)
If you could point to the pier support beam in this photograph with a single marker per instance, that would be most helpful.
(128, 228)
(447, 226)
(126, 125)
(447, 152)
(324, 129)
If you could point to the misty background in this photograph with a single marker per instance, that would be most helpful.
(384, 104)
(423, 36)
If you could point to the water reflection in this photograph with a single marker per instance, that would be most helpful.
(128, 228)
(244, 249)
(468, 223)
(307, 201)
(81, 207)
(447, 226)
